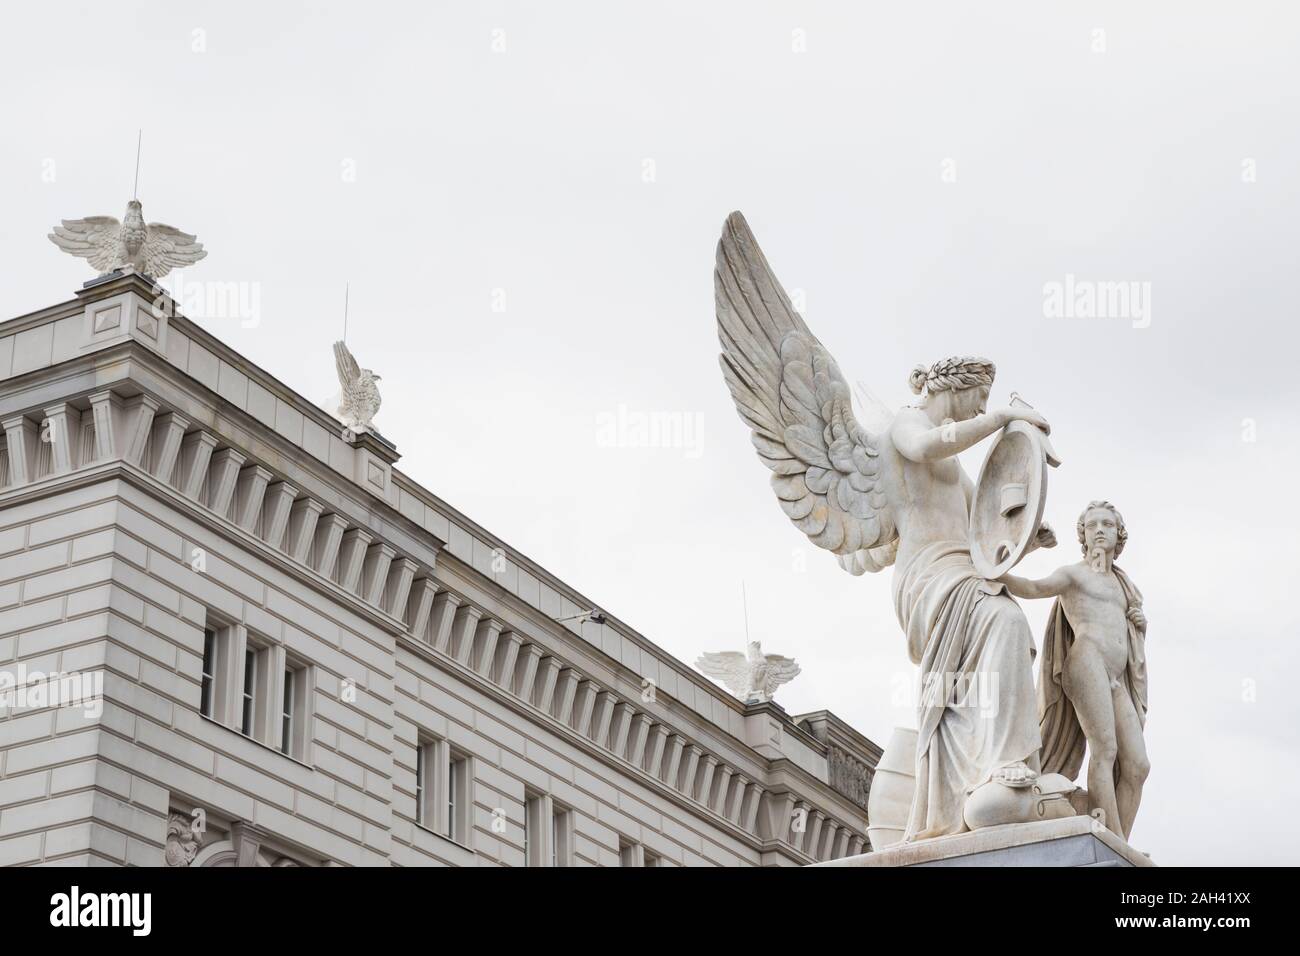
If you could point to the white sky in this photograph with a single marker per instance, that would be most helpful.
(523, 171)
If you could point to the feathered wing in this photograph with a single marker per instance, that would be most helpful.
(788, 389)
(95, 238)
(346, 366)
(167, 248)
(780, 670)
(730, 667)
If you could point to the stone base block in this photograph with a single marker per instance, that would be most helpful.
(1072, 841)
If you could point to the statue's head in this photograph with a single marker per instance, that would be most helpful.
(1101, 527)
(963, 382)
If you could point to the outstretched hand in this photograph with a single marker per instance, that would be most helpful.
(1046, 537)
(1023, 413)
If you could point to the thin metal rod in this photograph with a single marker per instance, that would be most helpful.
(347, 288)
(135, 187)
(744, 598)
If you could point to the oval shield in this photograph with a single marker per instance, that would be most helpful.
(1009, 500)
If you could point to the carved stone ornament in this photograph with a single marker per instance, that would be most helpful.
(182, 842)
(849, 776)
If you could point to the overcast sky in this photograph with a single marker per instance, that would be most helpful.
(525, 198)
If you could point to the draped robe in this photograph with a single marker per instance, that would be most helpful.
(977, 711)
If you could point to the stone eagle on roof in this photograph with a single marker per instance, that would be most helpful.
(359, 401)
(753, 678)
(153, 250)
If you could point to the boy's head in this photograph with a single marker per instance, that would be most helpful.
(1101, 526)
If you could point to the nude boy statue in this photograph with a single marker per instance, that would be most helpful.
(1092, 681)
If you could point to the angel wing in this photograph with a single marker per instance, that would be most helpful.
(788, 389)
(95, 238)
(730, 667)
(348, 369)
(780, 670)
(166, 248)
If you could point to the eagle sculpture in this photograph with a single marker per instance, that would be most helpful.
(153, 250)
(359, 401)
(753, 678)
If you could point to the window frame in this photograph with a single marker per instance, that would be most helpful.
(248, 693)
(561, 835)
(459, 796)
(548, 831)
(535, 850)
(244, 679)
(208, 684)
(300, 677)
(444, 790)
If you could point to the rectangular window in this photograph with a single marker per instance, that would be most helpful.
(207, 691)
(430, 778)
(561, 836)
(631, 854)
(248, 709)
(286, 716)
(457, 802)
(534, 810)
(296, 709)
(252, 685)
(443, 778)
(420, 770)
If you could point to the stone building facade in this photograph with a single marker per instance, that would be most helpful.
(232, 633)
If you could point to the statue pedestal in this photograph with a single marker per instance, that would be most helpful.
(1070, 841)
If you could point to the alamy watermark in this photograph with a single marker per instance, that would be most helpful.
(21, 689)
(625, 428)
(209, 300)
(956, 690)
(1087, 299)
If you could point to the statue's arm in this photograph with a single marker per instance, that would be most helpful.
(1054, 585)
(918, 441)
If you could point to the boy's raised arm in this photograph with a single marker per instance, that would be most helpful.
(1053, 585)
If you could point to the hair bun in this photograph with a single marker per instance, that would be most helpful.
(917, 379)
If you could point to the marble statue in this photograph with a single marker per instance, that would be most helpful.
(887, 489)
(359, 400)
(1092, 682)
(753, 677)
(153, 250)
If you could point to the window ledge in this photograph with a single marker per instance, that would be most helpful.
(253, 740)
(444, 838)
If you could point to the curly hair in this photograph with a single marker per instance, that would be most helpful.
(958, 372)
(1121, 533)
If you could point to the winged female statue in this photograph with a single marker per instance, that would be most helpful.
(888, 490)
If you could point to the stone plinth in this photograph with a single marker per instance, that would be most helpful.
(1072, 841)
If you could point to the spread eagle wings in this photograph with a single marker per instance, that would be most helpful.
(730, 667)
(780, 670)
(98, 239)
(790, 392)
(95, 238)
(166, 248)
